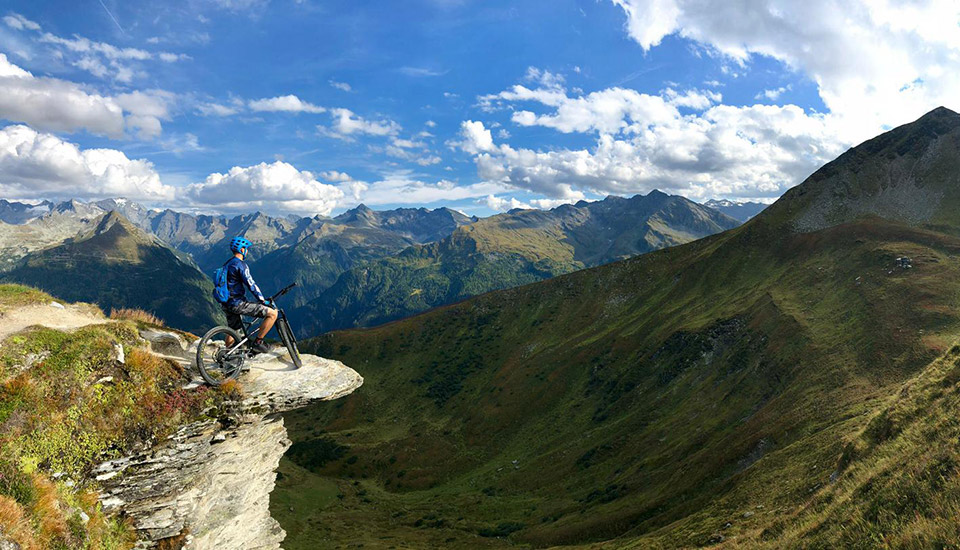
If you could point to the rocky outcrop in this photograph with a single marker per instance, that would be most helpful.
(208, 486)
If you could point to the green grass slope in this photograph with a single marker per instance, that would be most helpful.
(504, 251)
(777, 385)
(117, 266)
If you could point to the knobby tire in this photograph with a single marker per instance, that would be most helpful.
(209, 368)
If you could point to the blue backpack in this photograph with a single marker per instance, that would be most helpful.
(220, 292)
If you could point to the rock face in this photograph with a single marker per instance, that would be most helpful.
(208, 486)
(908, 175)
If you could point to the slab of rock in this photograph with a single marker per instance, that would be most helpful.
(208, 486)
(272, 383)
(166, 342)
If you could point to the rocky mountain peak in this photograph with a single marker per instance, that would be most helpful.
(114, 219)
(910, 174)
(359, 214)
(67, 206)
(941, 114)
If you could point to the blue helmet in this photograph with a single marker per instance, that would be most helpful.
(237, 244)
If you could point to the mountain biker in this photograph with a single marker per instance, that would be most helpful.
(239, 280)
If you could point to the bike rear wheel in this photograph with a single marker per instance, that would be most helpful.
(216, 366)
(283, 327)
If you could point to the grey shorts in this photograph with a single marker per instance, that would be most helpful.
(250, 309)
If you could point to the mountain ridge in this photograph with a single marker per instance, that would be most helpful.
(506, 250)
(740, 210)
(909, 182)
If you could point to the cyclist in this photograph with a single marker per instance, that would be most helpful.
(239, 280)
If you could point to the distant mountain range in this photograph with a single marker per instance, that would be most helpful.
(309, 251)
(785, 384)
(363, 266)
(506, 250)
(739, 210)
(18, 212)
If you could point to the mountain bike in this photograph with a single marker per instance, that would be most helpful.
(218, 362)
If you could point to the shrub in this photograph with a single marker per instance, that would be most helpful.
(135, 315)
(15, 525)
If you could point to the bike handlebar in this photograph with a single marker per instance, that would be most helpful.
(285, 290)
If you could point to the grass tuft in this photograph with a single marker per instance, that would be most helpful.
(12, 295)
(136, 315)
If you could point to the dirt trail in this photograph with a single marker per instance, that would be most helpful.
(49, 315)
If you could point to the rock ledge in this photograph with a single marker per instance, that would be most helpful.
(208, 486)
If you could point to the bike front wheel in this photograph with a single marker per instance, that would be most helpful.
(283, 327)
(214, 361)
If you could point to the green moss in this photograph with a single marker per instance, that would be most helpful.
(13, 295)
(67, 446)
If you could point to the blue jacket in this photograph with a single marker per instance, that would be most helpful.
(239, 280)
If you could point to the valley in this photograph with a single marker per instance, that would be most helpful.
(751, 387)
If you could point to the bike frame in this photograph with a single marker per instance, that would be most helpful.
(251, 327)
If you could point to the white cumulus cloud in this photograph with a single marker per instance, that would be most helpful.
(611, 110)
(877, 63)
(646, 142)
(347, 124)
(52, 104)
(333, 175)
(475, 138)
(772, 94)
(276, 187)
(503, 204)
(40, 165)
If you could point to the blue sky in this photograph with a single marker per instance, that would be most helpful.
(312, 107)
